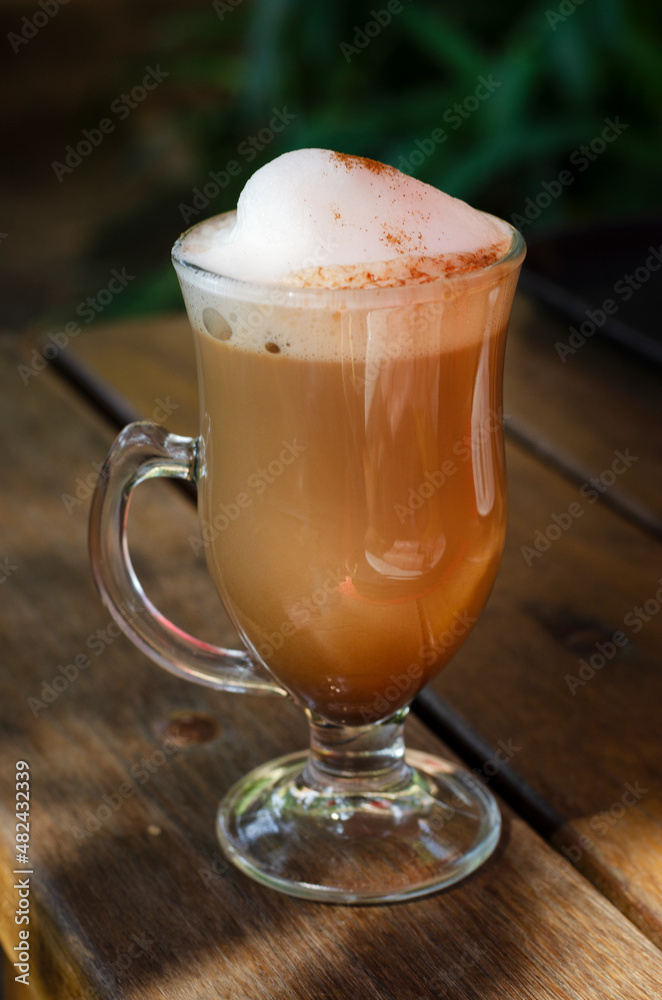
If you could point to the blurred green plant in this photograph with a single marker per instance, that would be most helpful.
(378, 79)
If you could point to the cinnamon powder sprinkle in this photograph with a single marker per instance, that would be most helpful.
(350, 162)
(409, 269)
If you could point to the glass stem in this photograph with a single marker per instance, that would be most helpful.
(357, 759)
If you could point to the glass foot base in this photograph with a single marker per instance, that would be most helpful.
(339, 845)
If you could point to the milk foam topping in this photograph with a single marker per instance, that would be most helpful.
(314, 217)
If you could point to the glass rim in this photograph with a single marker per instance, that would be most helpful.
(443, 287)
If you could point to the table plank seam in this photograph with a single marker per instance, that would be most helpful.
(578, 474)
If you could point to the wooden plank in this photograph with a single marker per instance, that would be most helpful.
(543, 667)
(135, 900)
(547, 613)
(160, 380)
(10, 989)
(595, 402)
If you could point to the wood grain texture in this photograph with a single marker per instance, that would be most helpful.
(585, 737)
(131, 897)
(598, 401)
(10, 989)
(162, 368)
(586, 734)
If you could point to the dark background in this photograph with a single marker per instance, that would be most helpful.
(558, 71)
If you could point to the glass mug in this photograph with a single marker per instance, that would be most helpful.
(352, 504)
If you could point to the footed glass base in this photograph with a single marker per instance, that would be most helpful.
(388, 836)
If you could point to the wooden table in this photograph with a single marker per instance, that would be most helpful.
(130, 895)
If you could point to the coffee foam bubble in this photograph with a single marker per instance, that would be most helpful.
(353, 336)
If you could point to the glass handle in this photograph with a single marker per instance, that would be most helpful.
(143, 451)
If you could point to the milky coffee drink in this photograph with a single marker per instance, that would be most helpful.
(352, 489)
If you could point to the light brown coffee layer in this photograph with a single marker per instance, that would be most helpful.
(353, 513)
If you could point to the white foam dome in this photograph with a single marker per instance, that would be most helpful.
(315, 209)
